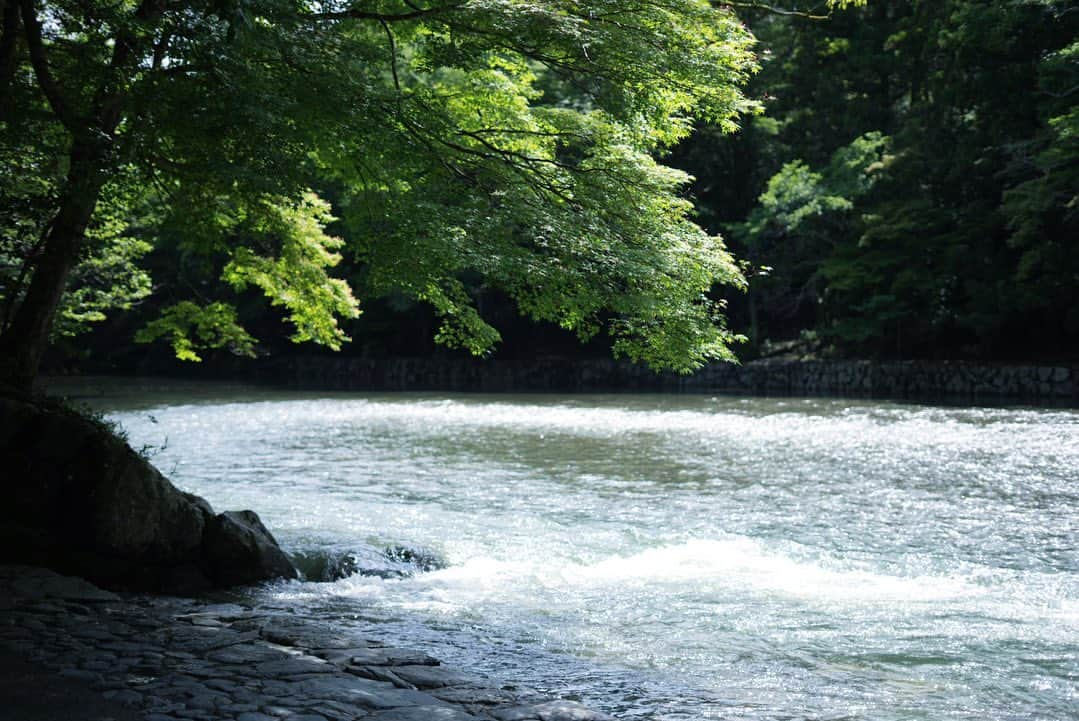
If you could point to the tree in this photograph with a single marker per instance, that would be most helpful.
(964, 246)
(502, 139)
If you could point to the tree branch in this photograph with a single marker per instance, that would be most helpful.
(54, 95)
(1070, 91)
(108, 101)
(393, 59)
(774, 10)
(354, 14)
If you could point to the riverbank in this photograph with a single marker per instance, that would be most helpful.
(71, 645)
(1049, 384)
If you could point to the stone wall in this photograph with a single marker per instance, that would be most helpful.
(1040, 384)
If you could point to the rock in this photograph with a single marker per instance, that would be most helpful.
(293, 667)
(149, 654)
(391, 657)
(428, 677)
(422, 558)
(364, 693)
(125, 696)
(81, 675)
(380, 673)
(423, 713)
(240, 550)
(473, 696)
(81, 501)
(287, 631)
(551, 711)
(38, 583)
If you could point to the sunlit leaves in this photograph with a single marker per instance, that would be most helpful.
(297, 277)
(189, 327)
(481, 143)
(110, 279)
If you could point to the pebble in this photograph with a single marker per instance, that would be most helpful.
(175, 659)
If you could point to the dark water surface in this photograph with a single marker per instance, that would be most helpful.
(671, 557)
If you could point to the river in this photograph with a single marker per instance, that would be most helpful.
(667, 557)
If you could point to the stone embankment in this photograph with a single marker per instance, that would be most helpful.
(925, 380)
(179, 659)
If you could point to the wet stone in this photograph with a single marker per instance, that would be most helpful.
(428, 677)
(220, 684)
(246, 654)
(197, 669)
(341, 656)
(201, 640)
(40, 583)
(126, 697)
(288, 700)
(423, 713)
(551, 711)
(104, 665)
(207, 701)
(81, 675)
(238, 708)
(176, 659)
(365, 693)
(337, 711)
(228, 611)
(124, 648)
(474, 696)
(293, 667)
(380, 673)
(391, 657)
(92, 633)
(301, 632)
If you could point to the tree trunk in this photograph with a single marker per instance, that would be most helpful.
(25, 340)
(9, 37)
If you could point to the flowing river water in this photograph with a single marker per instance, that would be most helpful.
(668, 557)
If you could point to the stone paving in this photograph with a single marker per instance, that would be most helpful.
(174, 659)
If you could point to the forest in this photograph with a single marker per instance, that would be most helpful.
(858, 180)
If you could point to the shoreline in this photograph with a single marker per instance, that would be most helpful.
(947, 382)
(65, 643)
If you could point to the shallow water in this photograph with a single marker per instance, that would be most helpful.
(671, 557)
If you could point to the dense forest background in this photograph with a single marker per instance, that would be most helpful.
(913, 187)
(911, 190)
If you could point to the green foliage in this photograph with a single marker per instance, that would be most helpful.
(297, 277)
(188, 327)
(108, 280)
(489, 144)
(109, 277)
(960, 242)
(799, 217)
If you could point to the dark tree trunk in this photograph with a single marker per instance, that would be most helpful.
(24, 341)
(9, 45)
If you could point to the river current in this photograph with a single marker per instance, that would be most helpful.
(667, 557)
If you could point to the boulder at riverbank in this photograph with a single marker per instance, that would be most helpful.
(77, 498)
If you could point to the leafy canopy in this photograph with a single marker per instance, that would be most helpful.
(506, 140)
